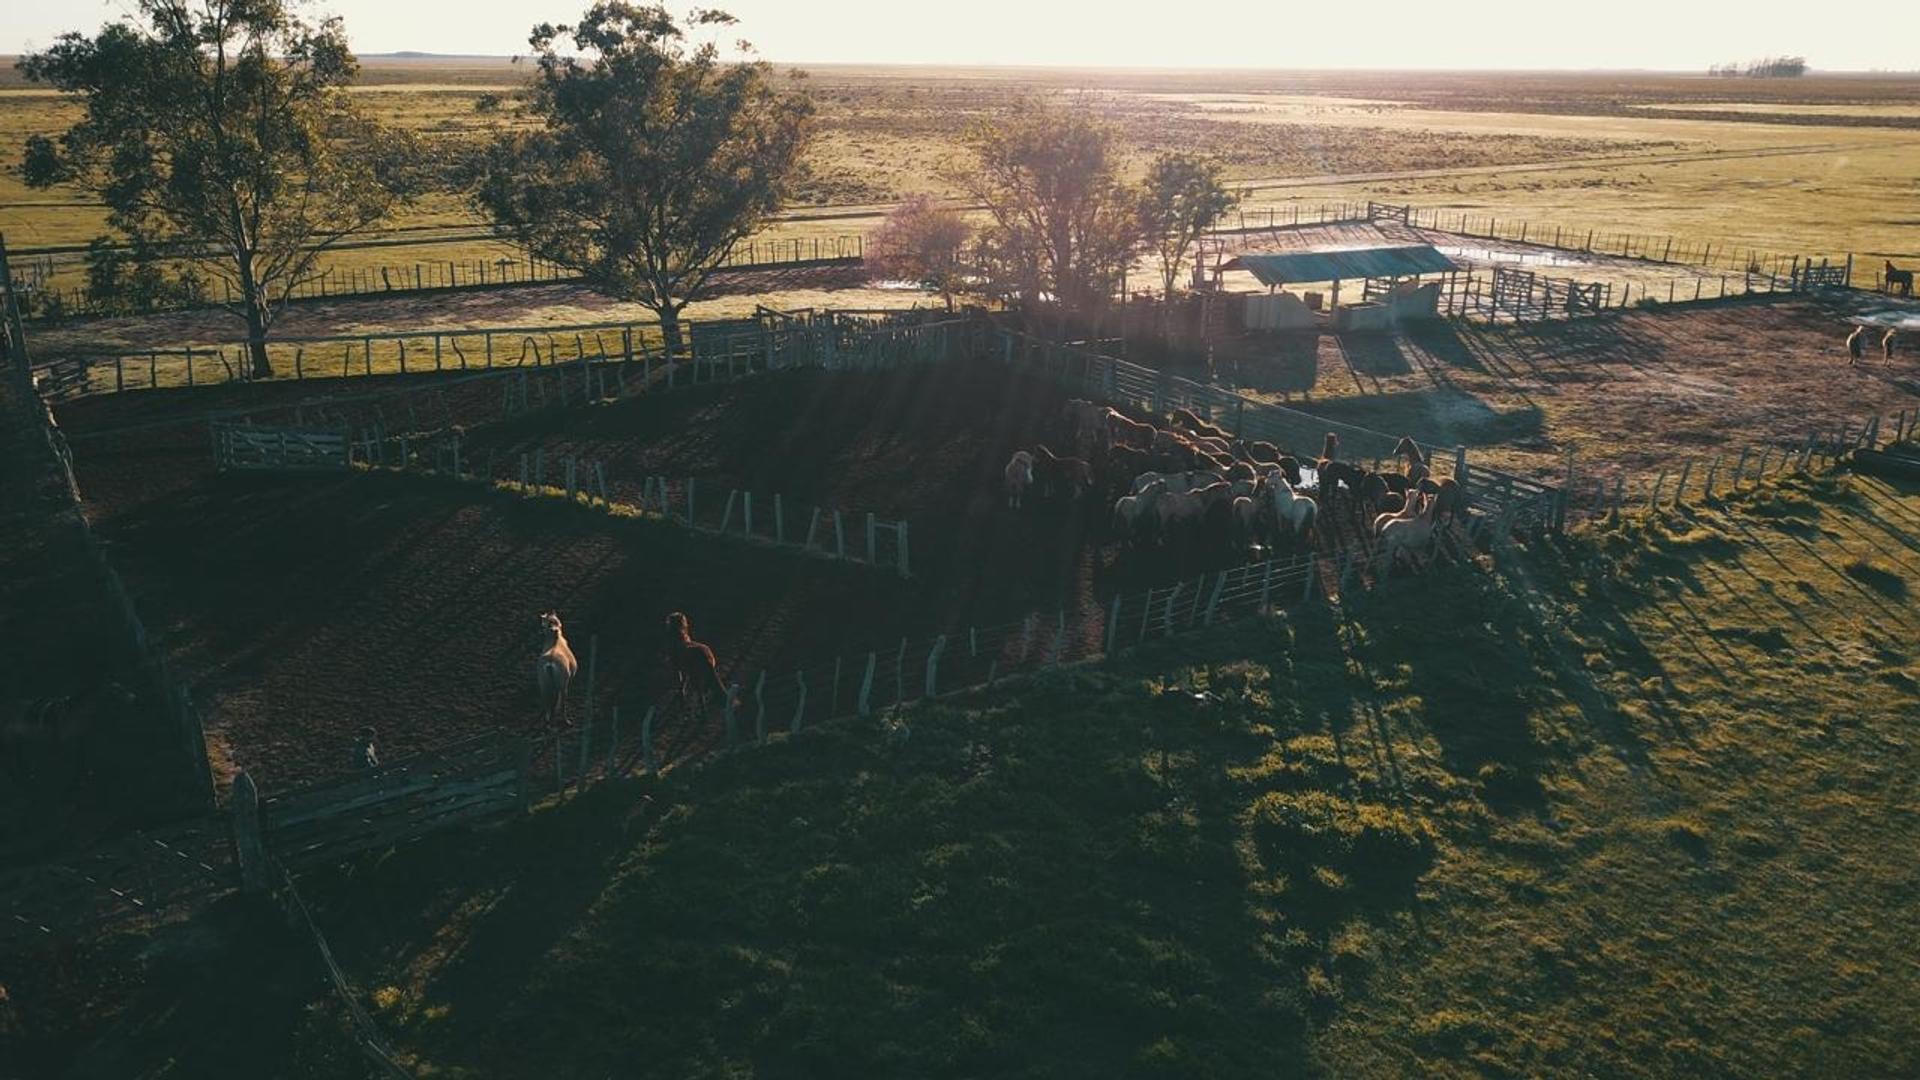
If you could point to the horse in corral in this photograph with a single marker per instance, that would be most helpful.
(1086, 427)
(694, 667)
(1018, 477)
(1409, 532)
(1120, 465)
(1410, 506)
(1887, 343)
(1293, 513)
(553, 669)
(1449, 498)
(1856, 345)
(1188, 420)
(1334, 475)
(1899, 277)
(1056, 474)
(1122, 431)
(1409, 450)
(1258, 452)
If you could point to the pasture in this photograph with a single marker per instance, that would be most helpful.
(1790, 167)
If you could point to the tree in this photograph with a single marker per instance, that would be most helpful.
(1062, 223)
(654, 161)
(220, 130)
(920, 241)
(1181, 198)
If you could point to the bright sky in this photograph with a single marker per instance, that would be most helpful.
(1684, 35)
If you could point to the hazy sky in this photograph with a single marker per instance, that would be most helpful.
(1661, 34)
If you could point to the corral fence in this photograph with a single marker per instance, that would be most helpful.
(39, 271)
(613, 351)
(1694, 480)
(245, 446)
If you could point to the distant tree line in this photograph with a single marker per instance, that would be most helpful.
(1771, 67)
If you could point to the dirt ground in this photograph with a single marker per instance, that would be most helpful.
(1640, 389)
(304, 607)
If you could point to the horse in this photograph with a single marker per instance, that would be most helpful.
(1187, 420)
(1886, 344)
(1408, 533)
(1449, 499)
(1856, 345)
(553, 669)
(1121, 465)
(1258, 452)
(1292, 512)
(693, 664)
(1084, 425)
(1333, 474)
(1124, 432)
(1019, 477)
(1411, 506)
(1410, 450)
(1055, 472)
(1902, 278)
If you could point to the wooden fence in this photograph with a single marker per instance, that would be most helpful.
(1726, 473)
(40, 268)
(826, 339)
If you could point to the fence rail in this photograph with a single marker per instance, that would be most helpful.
(39, 270)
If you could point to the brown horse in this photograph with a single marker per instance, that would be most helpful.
(1898, 277)
(693, 662)
(1068, 477)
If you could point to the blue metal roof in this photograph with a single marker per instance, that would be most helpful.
(1342, 264)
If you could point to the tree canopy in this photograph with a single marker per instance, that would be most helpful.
(1180, 199)
(922, 241)
(655, 157)
(220, 130)
(1063, 225)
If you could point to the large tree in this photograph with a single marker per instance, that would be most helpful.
(921, 241)
(1062, 223)
(221, 130)
(654, 160)
(1180, 199)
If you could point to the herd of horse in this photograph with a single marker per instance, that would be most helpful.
(1187, 487)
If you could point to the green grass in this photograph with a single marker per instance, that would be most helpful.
(1631, 806)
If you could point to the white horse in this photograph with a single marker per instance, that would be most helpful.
(1019, 474)
(1407, 512)
(1294, 513)
(1409, 535)
(554, 668)
(1175, 481)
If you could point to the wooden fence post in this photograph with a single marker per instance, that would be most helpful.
(1219, 582)
(800, 706)
(760, 707)
(249, 852)
(905, 567)
(864, 703)
(1113, 628)
(839, 537)
(933, 665)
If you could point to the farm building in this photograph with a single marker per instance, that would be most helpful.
(1393, 291)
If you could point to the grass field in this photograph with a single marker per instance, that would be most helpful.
(1643, 820)
(1821, 164)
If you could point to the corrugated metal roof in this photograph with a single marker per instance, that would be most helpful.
(1342, 264)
